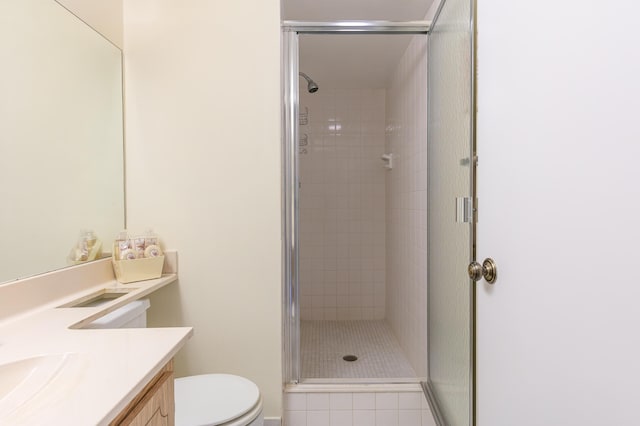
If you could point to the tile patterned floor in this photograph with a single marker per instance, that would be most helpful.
(324, 343)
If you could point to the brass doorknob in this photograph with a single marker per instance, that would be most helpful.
(488, 270)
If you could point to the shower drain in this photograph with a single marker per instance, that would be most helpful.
(350, 358)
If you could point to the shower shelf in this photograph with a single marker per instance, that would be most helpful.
(304, 116)
(388, 161)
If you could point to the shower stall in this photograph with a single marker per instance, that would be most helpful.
(378, 214)
(348, 307)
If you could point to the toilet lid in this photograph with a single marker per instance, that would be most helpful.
(212, 399)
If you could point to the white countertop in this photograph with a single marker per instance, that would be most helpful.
(104, 369)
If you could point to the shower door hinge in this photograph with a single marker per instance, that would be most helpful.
(464, 210)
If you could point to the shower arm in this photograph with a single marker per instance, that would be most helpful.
(306, 77)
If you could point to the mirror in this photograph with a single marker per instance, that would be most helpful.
(61, 137)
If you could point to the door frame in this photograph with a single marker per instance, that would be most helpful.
(290, 179)
(290, 171)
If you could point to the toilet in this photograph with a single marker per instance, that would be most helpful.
(217, 399)
(201, 400)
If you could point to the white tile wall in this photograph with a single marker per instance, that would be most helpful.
(357, 409)
(342, 206)
(406, 189)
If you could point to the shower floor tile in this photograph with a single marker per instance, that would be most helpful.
(324, 343)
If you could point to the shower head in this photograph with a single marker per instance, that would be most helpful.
(312, 86)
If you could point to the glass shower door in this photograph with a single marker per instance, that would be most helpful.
(451, 163)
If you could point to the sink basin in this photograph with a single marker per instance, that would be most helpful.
(99, 298)
(22, 380)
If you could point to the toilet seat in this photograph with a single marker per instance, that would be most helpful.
(216, 399)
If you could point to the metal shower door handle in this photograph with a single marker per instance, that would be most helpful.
(488, 270)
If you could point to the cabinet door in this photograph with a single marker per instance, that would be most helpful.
(156, 408)
(154, 405)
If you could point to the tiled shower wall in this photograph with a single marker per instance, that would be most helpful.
(342, 205)
(407, 204)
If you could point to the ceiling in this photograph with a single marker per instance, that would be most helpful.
(352, 61)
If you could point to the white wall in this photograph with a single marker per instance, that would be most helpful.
(342, 199)
(407, 204)
(558, 144)
(105, 16)
(203, 169)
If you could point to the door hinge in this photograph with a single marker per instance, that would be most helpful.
(464, 210)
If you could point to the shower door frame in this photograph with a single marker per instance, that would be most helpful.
(290, 184)
(290, 181)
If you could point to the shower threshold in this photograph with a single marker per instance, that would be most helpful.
(362, 381)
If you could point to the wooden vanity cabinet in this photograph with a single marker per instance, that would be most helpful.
(154, 405)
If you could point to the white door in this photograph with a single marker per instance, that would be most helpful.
(558, 334)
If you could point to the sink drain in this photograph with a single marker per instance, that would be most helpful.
(350, 358)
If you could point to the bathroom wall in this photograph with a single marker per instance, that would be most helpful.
(203, 169)
(406, 208)
(342, 205)
(105, 16)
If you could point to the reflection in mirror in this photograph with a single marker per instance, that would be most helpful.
(61, 143)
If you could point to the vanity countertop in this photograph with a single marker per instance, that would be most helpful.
(92, 373)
